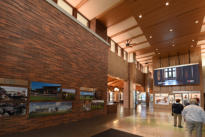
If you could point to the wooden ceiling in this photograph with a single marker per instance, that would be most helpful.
(162, 30)
(114, 82)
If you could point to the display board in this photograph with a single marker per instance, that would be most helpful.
(49, 108)
(87, 95)
(178, 96)
(10, 93)
(41, 91)
(68, 94)
(171, 99)
(12, 109)
(13, 97)
(161, 99)
(177, 75)
(89, 105)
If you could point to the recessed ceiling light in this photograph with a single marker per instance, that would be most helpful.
(167, 3)
(173, 45)
(170, 30)
(150, 36)
(193, 40)
(196, 21)
(140, 16)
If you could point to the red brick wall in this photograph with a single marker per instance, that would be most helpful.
(40, 43)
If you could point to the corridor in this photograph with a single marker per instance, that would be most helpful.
(143, 122)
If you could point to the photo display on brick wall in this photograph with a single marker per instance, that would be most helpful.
(13, 97)
(68, 94)
(89, 105)
(37, 109)
(41, 91)
(87, 95)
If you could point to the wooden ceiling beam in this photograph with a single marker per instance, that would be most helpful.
(138, 44)
(130, 38)
(121, 32)
(115, 81)
(81, 3)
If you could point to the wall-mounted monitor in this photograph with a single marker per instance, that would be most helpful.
(177, 75)
(41, 91)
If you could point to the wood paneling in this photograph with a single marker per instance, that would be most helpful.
(157, 19)
(40, 43)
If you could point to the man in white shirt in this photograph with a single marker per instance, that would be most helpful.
(194, 117)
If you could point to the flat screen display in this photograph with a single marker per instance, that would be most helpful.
(177, 75)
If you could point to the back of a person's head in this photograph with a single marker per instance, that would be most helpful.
(193, 101)
(177, 100)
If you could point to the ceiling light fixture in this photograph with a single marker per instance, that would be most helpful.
(170, 30)
(150, 36)
(140, 16)
(193, 40)
(156, 49)
(167, 3)
(196, 21)
(173, 45)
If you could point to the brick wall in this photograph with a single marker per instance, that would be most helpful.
(40, 43)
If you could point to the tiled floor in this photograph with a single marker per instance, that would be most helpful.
(142, 121)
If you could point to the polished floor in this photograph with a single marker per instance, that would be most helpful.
(142, 121)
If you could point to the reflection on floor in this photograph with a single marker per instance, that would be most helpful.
(141, 121)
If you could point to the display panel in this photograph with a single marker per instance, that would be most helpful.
(8, 109)
(89, 105)
(68, 94)
(161, 99)
(178, 96)
(87, 95)
(49, 108)
(177, 75)
(9, 93)
(45, 91)
(171, 99)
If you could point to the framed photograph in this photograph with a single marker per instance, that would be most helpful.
(41, 91)
(171, 99)
(8, 109)
(68, 94)
(87, 95)
(178, 96)
(37, 109)
(185, 99)
(10, 93)
(161, 99)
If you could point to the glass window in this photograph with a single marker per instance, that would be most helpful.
(65, 6)
(170, 74)
(125, 55)
(166, 74)
(119, 51)
(112, 48)
(82, 19)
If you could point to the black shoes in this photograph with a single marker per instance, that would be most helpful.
(180, 127)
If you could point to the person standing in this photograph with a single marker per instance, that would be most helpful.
(176, 111)
(194, 117)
